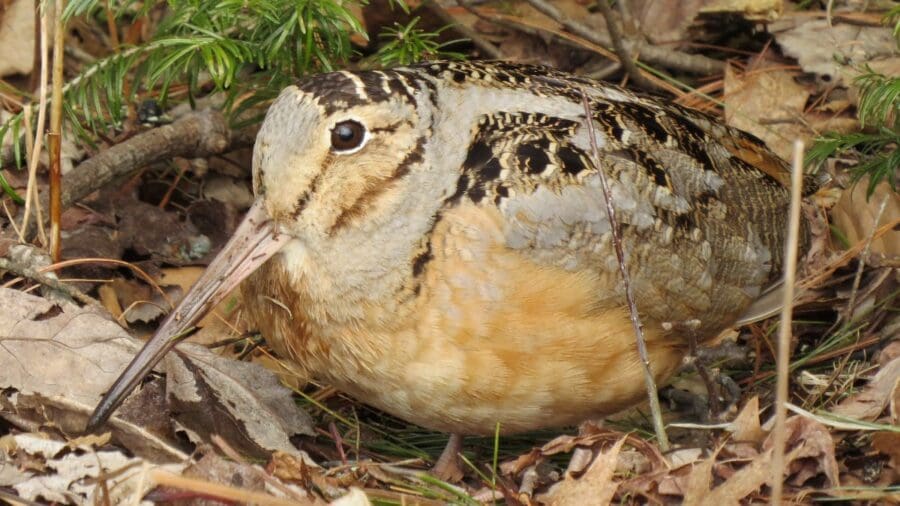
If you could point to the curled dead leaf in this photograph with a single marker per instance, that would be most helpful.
(242, 402)
(855, 213)
(746, 427)
(594, 486)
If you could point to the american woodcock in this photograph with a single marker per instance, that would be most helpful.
(433, 240)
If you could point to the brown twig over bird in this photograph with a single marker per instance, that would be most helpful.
(433, 241)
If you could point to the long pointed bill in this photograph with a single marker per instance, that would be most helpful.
(253, 243)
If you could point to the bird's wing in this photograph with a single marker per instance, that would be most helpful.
(702, 227)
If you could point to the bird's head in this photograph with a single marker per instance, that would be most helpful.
(338, 163)
(333, 154)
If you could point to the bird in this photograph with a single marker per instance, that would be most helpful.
(433, 240)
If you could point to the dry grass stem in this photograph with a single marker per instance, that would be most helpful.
(31, 190)
(111, 261)
(34, 159)
(652, 395)
(784, 331)
(49, 281)
(218, 490)
(825, 272)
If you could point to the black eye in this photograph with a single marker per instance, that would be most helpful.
(347, 135)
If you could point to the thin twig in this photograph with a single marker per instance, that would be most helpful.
(54, 137)
(784, 331)
(9, 217)
(537, 30)
(824, 273)
(111, 26)
(662, 56)
(618, 45)
(111, 261)
(270, 480)
(652, 394)
(7, 152)
(338, 441)
(851, 304)
(714, 408)
(48, 281)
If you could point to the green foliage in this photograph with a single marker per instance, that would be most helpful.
(249, 49)
(879, 108)
(879, 157)
(879, 98)
(893, 16)
(206, 45)
(408, 44)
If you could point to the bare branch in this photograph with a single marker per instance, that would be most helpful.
(198, 134)
(618, 44)
(694, 63)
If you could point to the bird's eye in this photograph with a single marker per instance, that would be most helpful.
(347, 135)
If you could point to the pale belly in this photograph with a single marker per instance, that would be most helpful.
(530, 349)
(490, 337)
(572, 372)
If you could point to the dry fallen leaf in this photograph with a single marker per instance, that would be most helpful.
(216, 469)
(670, 20)
(595, 486)
(824, 50)
(810, 452)
(767, 102)
(142, 303)
(355, 497)
(888, 443)
(71, 477)
(697, 483)
(163, 236)
(242, 402)
(56, 361)
(855, 213)
(16, 37)
(752, 10)
(746, 427)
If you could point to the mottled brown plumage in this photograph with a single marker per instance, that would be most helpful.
(447, 256)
